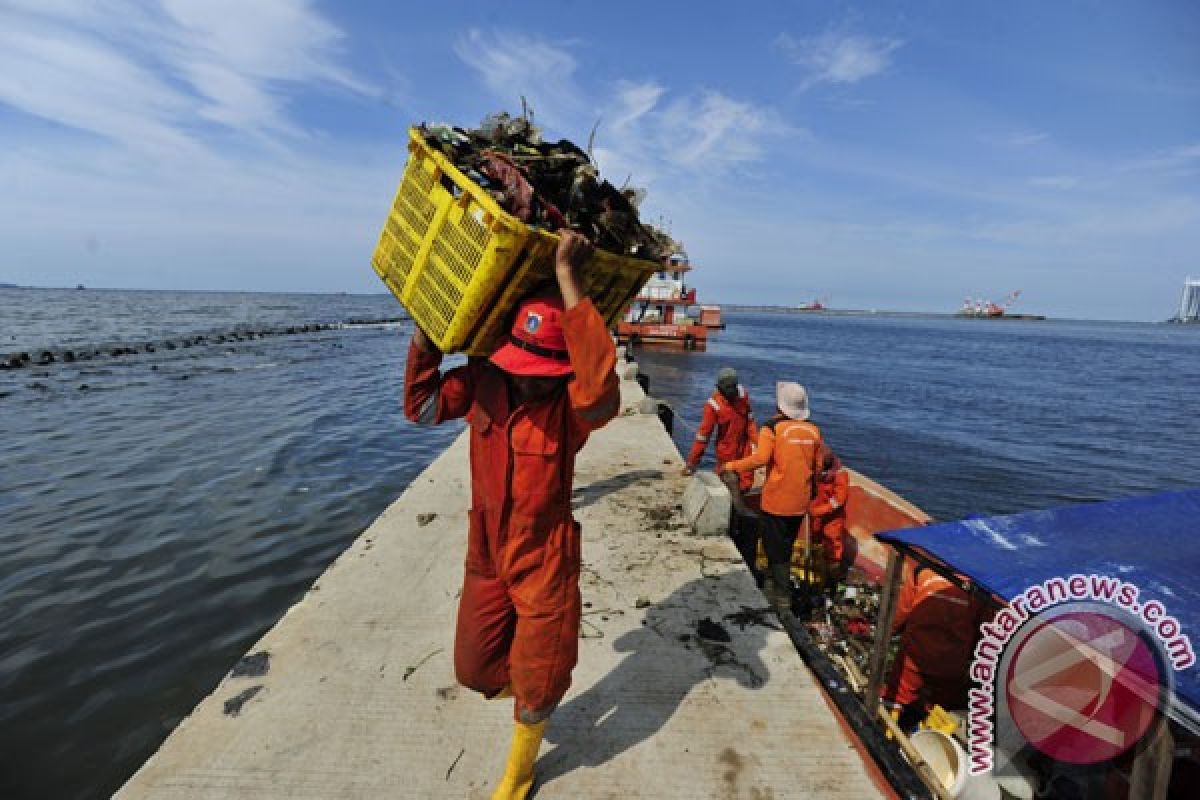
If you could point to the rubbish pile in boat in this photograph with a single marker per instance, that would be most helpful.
(845, 626)
(549, 185)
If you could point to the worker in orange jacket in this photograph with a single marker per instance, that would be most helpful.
(530, 407)
(727, 411)
(790, 447)
(827, 512)
(938, 623)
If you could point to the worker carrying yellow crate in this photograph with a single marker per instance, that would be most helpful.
(530, 408)
(484, 223)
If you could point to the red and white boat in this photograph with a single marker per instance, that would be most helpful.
(659, 313)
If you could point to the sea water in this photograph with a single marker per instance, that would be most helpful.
(162, 508)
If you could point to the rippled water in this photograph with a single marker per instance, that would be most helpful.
(966, 416)
(158, 521)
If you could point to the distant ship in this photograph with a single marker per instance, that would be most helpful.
(1189, 303)
(986, 309)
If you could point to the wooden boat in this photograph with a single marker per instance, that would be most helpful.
(870, 509)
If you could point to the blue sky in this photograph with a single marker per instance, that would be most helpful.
(882, 155)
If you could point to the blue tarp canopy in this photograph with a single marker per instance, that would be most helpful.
(1150, 542)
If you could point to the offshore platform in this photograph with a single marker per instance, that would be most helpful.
(1189, 303)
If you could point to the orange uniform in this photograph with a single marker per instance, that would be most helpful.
(736, 431)
(791, 451)
(939, 623)
(519, 614)
(827, 512)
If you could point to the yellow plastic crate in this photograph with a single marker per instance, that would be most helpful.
(459, 263)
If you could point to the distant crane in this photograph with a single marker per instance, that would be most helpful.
(1008, 301)
(986, 308)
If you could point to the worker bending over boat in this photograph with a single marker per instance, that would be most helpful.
(938, 623)
(790, 447)
(728, 412)
(530, 408)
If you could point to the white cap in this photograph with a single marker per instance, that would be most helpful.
(792, 400)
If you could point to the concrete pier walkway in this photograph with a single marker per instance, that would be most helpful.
(360, 700)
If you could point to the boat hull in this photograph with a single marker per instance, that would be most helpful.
(870, 509)
(686, 337)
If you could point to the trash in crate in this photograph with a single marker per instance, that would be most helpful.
(549, 185)
(471, 230)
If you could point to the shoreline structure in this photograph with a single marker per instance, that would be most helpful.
(356, 696)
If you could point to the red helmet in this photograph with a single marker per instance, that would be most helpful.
(536, 347)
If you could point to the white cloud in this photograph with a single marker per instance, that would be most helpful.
(713, 131)
(514, 65)
(173, 138)
(82, 82)
(837, 58)
(283, 40)
(146, 76)
(1054, 181)
(634, 101)
(1181, 159)
(645, 133)
(1024, 139)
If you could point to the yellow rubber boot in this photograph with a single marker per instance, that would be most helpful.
(518, 775)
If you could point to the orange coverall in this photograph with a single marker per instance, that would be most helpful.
(519, 614)
(827, 513)
(939, 623)
(734, 423)
(792, 449)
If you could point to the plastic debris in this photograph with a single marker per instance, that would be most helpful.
(549, 185)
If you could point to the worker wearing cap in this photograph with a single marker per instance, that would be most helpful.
(530, 408)
(727, 411)
(937, 622)
(790, 447)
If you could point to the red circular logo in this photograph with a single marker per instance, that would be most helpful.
(1083, 687)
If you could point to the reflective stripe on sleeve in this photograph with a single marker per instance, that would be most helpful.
(428, 415)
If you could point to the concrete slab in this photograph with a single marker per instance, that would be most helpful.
(360, 700)
(707, 505)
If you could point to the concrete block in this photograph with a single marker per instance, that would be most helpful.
(707, 505)
(648, 405)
